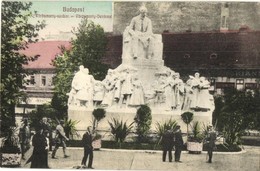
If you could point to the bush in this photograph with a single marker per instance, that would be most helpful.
(143, 120)
(98, 114)
(187, 118)
(10, 143)
(120, 129)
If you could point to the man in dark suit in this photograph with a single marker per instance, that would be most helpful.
(211, 138)
(88, 148)
(167, 144)
(178, 143)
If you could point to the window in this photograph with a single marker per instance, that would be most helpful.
(32, 80)
(240, 84)
(43, 80)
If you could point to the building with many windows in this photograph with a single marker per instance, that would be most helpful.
(39, 88)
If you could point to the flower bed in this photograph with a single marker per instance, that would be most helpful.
(9, 159)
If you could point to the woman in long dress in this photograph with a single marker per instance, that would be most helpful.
(39, 142)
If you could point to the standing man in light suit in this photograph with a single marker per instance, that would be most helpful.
(141, 30)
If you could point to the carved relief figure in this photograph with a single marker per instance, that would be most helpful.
(85, 89)
(195, 87)
(99, 91)
(126, 86)
(204, 102)
(109, 84)
(178, 90)
(137, 97)
(188, 94)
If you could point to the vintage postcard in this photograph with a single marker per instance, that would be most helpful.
(122, 85)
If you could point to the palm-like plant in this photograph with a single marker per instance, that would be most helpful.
(120, 129)
(162, 127)
(70, 128)
(197, 133)
(187, 117)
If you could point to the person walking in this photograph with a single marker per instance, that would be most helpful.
(88, 148)
(60, 140)
(167, 144)
(211, 138)
(24, 137)
(178, 143)
(39, 142)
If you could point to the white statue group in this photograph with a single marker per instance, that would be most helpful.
(122, 88)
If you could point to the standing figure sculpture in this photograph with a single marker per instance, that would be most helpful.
(137, 97)
(109, 84)
(204, 102)
(178, 90)
(195, 88)
(74, 87)
(126, 86)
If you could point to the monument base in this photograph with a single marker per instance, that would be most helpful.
(128, 114)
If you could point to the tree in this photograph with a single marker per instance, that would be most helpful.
(64, 69)
(239, 113)
(88, 48)
(17, 33)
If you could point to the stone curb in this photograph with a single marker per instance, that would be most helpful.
(155, 151)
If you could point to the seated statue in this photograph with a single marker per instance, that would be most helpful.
(139, 40)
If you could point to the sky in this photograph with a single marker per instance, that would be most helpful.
(58, 19)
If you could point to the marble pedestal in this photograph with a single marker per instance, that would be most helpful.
(86, 119)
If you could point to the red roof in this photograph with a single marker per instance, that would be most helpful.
(47, 51)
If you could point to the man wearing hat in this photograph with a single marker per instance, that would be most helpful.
(178, 143)
(88, 148)
(60, 139)
(167, 144)
(211, 138)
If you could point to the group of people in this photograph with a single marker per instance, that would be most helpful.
(172, 139)
(42, 142)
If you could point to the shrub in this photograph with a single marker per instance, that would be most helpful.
(120, 129)
(187, 118)
(10, 143)
(143, 120)
(98, 114)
